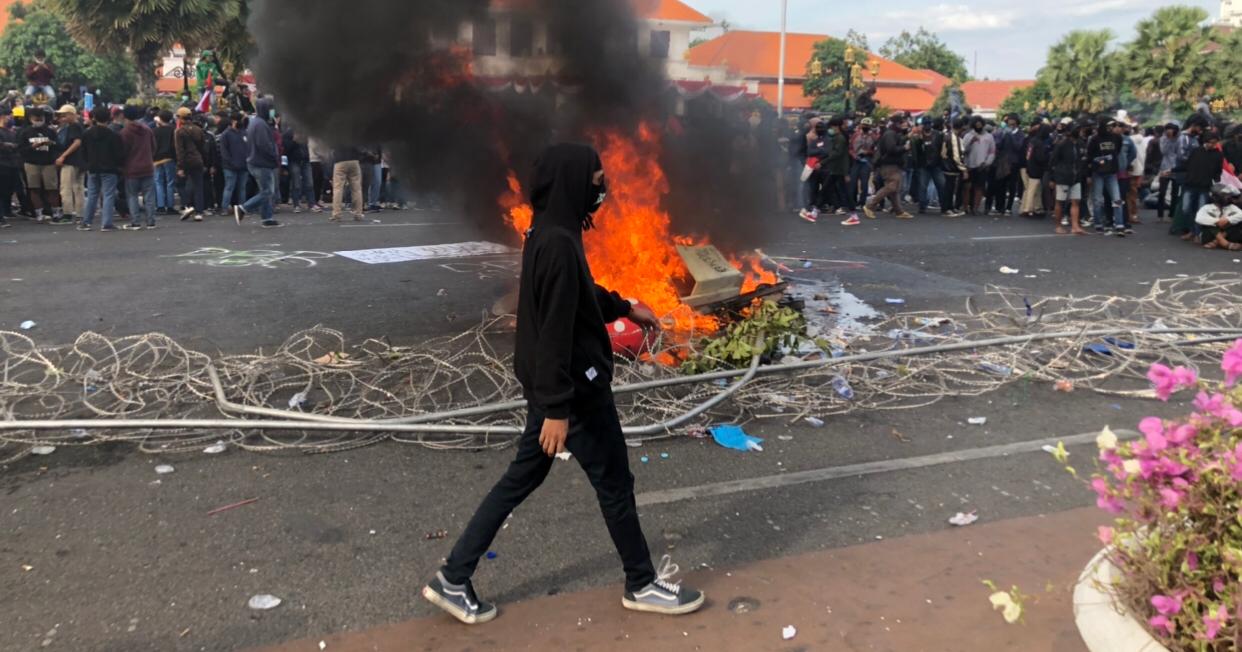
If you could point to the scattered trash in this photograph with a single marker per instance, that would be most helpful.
(323, 645)
(789, 632)
(215, 449)
(720, 382)
(183, 632)
(842, 388)
(491, 554)
(1098, 349)
(1009, 270)
(634, 444)
(806, 264)
(1115, 406)
(644, 459)
(79, 433)
(1170, 262)
(564, 457)
(664, 456)
(164, 469)
(735, 438)
(785, 437)
(442, 293)
(900, 436)
(332, 358)
(218, 510)
(815, 422)
(27, 568)
(998, 369)
(263, 602)
(1032, 276)
(1121, 344)
(977, 421)
(42, 450)
(743, 605)
(27, 325)
(963, 519)
(1045, 271)
(437, 535)
(895, 302)
(297, 400)
(1064, 386)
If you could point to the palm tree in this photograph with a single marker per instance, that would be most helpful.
(1169, 58)
(145, 29)
(1226, 68)
(1081, 72)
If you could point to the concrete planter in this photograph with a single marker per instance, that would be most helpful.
(1104, 625)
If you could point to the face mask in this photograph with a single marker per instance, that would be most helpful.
(601, 193)
(36, 123)
(979, 130)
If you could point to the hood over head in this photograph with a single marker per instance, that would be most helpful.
(562, 192)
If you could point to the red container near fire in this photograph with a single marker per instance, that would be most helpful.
(628, 339)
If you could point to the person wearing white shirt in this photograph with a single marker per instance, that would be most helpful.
(1220, 221)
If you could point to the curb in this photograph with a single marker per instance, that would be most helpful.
(1104, 625)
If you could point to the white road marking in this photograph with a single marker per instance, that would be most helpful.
(866, 468)
(1018, 237)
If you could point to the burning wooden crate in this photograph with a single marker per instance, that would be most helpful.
(717, 283)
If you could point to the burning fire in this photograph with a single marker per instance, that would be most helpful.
(631, 250)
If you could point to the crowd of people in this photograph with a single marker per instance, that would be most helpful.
(128, 165)
(1087, 174)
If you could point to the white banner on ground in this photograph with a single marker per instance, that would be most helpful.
(426, 252)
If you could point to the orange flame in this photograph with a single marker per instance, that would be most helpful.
(631, 250)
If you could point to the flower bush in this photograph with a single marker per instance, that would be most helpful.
(1177, 497)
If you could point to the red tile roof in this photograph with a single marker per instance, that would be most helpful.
(938, 80)
(899, 98)
(757, 55)
(989, 94)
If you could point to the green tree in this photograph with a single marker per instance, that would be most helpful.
(944, 101)
(831, 79)
(1225, 68)
(235, 45)
(34, 27)
(923, 49)
(1168, 59)
(857, 39)
(1081, 72)
(145, 29)
(1028, 102)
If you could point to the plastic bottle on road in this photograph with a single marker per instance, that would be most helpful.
(842, 387)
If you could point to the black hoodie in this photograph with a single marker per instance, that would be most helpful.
(563, 357)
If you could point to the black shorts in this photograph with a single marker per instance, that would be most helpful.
(1232, 234)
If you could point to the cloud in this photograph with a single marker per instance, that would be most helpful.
(1101, 6)
(960, 18)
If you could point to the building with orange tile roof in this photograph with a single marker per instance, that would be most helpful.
(755, 57)
(984, 97)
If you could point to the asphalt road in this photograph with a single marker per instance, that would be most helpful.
(119, 562)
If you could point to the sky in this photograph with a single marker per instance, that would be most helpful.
(1011, 38)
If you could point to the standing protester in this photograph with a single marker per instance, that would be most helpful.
(165, 163)
(320, 155)
(1065, 167)
(812, 174)
(1203, 169)
(1037, 158)
(862, 151)
(262, 163)
(372, 175)
(38, 144)
(564, 363)
(1125, 160)
(191, 146)
(890, 159)
(956, 174)
(71, 162)
(1010, 158)
(1171, 156)
(980, 151)
(346, 170)
(139, 169)
(105, 157)
(233, 153)
(836, 168)
(932, 171)
(10, 168)
(1138, 171)
(301, 176)
(39, 76)
(66, 95)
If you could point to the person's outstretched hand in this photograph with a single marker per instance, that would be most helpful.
(642, 315)
(552, 437)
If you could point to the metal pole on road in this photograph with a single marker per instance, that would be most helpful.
(780, 79)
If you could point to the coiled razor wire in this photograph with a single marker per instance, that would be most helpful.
(317, 371)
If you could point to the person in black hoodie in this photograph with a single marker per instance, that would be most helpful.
(1104, 153)
(564, 362)
(1203, 169)
(891, 152)
(1035, 160)
(39, 148)
(105, 158)
(1065, 167)
(165, 163)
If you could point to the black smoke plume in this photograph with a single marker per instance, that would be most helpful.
(383, 72)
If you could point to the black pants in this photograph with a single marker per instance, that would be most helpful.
(10, 182)
(1177, 195)
(596, 441)
(951, 196)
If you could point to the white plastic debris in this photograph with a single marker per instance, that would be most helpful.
(442, 293)
(27, 325)
(815, 422)
(634, 444)
(215, 449)
(42, 450)
(1170, 262)
(80, 433)
(977, 421)
(789, 632)
(962, 519)
(1009, 270)
(164, 469)
(263, 601)
(1045, 271)
(323, 645)
(297, 400)
(1051, 450)
(564, 457)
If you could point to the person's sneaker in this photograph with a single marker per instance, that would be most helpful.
(334, 219)
(271, 224)
(1065, 222)
(187, 214)
(807, 215)
(151, 227)
(840, 211)
(61, 219)
(852, 221)
(4, 224)
(131, 227)
(84, 227)
(107, 229)
(1129, 231)
(316, 209)
(239, 214)
(209, 212)
(904, 216)
(1103, 231)
(198, 217)
(296, 210)
(1120, 233)
(459, 600)
(662, 596)
(868, 212)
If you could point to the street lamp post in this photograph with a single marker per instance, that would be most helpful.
(780, 79)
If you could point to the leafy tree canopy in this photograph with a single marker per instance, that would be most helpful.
(923, 49)
(33, 27)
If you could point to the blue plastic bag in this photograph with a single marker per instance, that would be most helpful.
(735, 438)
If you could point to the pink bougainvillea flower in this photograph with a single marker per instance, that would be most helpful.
(1185, 377)
(1161, 622)
(1210, 403)
(1213, 622)
(1167, 605)
(1181, 434)
(1171, 467)
(1161, 378)
(1105, 534)
(1170, 498)
(1192, 560)
(1231, 364)
(1218, 585)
